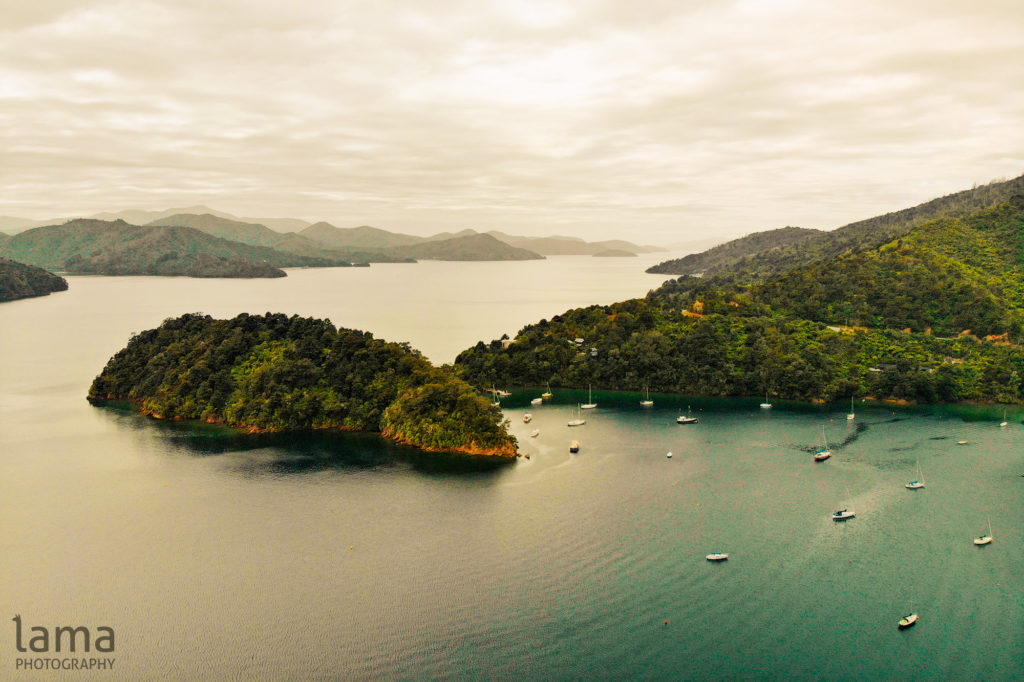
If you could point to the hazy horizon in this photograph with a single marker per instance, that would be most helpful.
(657, 123)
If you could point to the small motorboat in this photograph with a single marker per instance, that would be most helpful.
(527, 418)
(574, 446)
(907, 620)
(717, 556)
(537, 401)
(961, 442)
(668, 455)
(534, 433)
(842, 515)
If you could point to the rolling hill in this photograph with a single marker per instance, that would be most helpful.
(116, 248)
(741, 261)
(474, 247)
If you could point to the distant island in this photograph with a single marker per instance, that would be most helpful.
(280, 373)
(614, 253)
(18, 280)
(922, 305)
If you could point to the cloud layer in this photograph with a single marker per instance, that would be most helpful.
(656, 121)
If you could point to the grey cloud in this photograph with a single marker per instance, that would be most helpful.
(517, 115)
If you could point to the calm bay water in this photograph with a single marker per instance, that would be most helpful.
(216, 555)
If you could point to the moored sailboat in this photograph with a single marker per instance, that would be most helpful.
(590, 404)
(579, 420)
(985, 539)
(824, 453)
(918, 482)
(688, 419)
(647, 402)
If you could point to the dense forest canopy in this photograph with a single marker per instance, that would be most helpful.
(280, 373)
(934, 315)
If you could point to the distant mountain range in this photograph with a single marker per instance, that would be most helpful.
(351, 241)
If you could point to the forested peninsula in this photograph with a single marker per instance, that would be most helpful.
(935, 314)
(280, 373)
(18, 280)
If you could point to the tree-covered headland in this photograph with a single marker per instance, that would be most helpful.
(280, 373)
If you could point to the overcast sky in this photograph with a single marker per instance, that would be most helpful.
(641, 119)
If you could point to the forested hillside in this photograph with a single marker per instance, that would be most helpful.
(18, 280)
(752, 265)
(905, 320)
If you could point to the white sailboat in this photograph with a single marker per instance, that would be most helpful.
(917, 483)
(688, 419)
(1004, 422)
(985, 539)
(766, 405)
(717, 556)
(824, 453)
(590, 404)
(536, 401)
(647, 402)
(851, 414)
(579, 420)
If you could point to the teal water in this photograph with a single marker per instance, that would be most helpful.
(218, 555)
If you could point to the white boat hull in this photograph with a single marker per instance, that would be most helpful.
(908, 621)
(717, 556)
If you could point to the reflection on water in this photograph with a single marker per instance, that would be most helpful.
(283, 454)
